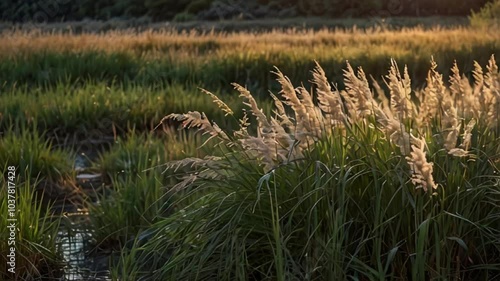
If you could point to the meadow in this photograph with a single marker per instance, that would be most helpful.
(309, 168)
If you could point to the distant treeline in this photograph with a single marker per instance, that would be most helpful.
(66, 10)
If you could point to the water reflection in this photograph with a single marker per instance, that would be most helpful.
(79, 266)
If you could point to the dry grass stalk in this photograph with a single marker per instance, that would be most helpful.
(480, 99)
(359, 92)
(400, 91)
(209, 167)
(468, 134)
(463, 149)
(421, 169)
(222, 105)
(315, 117)
(384, 102)
(302, 126)
(263, 123)
(396, 131)
(492, 84)
(431, 98)
(461, 92)
(273, 143)
(450, 126)
(281, 114)
(194, 119)
(329, 102)
(243, 131)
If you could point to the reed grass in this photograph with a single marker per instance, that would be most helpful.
(370, 192)
(43, 175)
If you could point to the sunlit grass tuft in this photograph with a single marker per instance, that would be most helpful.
(361, 190)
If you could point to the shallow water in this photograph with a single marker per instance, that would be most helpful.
(75, 241)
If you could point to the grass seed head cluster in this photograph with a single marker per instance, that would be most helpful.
(404, 119)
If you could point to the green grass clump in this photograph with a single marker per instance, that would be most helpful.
(146, 154)
(138, 177)
(37, 252)
(346, 188)
(131, 205)
(134, 155)
(34, 156)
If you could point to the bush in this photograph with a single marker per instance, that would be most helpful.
(183, 17)
(165, 9)
(488, 16)
(55, 11)
(197, 6)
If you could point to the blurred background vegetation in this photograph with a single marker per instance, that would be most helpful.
(182, 10)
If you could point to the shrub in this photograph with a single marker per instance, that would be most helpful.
(165, 9)
(197, 6)
(55, 11)
(488, 16)
(184, 16)
(346, 188)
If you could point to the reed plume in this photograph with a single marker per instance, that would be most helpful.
(283, 138)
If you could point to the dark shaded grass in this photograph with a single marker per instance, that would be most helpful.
(37, 255)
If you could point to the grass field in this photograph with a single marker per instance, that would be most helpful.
(355, 174)
(129, 78)
(216, 59)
